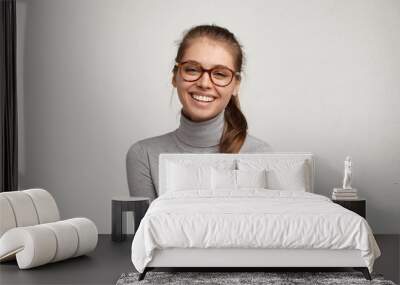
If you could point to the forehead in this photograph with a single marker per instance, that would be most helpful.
(209, 53)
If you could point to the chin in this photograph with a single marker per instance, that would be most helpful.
(201, 115)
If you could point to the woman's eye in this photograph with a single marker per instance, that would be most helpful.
(191, 69)
(220, 74)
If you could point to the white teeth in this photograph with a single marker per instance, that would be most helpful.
(202, 98)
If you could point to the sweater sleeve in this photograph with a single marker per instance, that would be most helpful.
(253, 144)
(140, 182)
(263, 148)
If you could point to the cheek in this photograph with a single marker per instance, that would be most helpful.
(181, 88)
(225, 94)
(181, 85)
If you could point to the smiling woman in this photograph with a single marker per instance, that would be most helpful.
(207, 76)
(216, 49)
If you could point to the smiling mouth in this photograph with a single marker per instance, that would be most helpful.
(201, 98)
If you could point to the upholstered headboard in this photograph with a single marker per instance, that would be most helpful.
(233, 160)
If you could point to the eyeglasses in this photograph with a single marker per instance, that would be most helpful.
(220, 75)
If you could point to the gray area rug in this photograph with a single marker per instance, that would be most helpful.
(229, 278)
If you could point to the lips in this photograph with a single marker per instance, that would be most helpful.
(204, 98)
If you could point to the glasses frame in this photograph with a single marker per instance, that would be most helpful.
(234, 73)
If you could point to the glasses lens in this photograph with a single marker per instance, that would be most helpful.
(191, 71)
(221, 76)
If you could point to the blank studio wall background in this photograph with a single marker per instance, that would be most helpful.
(94, 77)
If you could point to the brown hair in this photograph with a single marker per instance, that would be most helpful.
(235, 127)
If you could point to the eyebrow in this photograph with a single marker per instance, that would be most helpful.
(216, 65)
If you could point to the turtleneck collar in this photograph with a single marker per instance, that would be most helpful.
(201, 134)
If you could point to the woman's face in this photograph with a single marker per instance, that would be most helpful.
(208, 53)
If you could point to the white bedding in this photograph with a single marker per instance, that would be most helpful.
(250, 218)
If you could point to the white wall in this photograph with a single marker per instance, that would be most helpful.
(321, 76)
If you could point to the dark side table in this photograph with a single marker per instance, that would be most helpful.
(138, 205)
(358, 206)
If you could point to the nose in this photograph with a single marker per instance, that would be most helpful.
(204, 81)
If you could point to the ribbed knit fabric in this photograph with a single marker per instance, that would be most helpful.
(201, 134)
(189, 137)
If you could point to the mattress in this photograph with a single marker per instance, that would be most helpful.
(250, 219)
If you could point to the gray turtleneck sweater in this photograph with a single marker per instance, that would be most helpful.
(189, 137)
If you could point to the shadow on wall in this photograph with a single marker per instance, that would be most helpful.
(325, 175)
(21, 7)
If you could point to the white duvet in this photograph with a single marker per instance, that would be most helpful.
(250, 218)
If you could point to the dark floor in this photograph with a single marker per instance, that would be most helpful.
(111, 259)
(102, 266)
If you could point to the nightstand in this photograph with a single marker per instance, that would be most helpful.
(358, 206)
(138, 205)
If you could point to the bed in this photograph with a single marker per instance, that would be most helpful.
(247, 210)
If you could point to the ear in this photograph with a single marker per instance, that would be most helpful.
(173, 81)
(236, 88)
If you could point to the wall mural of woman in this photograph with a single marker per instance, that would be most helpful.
(207, 76)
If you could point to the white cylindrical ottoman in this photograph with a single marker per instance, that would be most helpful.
(40, 244)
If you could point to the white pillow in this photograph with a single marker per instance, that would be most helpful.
(236, 179)
(184, 177)
(251, 178)
(223, 179)
(287, 179)
(282, 174)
